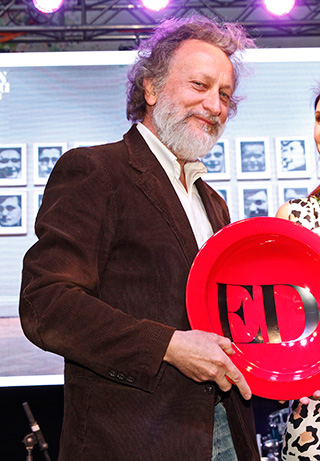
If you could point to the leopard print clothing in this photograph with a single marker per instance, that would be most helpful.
(302, 437)
(305, 211)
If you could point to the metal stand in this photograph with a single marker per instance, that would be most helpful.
(29, 442)
(35, 437)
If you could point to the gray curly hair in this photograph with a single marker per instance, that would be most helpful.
(155, 53)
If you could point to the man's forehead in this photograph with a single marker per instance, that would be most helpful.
(197, 49)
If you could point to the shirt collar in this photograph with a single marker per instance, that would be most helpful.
(169, 162)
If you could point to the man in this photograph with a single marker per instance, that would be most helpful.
(118, 228)
(48, 157)
(293, 155)
(256, 203)
(10, 210)
(214, 160)
(10, 163)
(253, 156)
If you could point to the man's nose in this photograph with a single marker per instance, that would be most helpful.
(212, 102)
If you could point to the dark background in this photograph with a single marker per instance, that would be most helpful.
(46, 404)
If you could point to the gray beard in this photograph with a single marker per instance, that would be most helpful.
(176, 135)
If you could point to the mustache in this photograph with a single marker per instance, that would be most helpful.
(213, 119)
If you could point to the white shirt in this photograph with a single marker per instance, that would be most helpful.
(190, 198)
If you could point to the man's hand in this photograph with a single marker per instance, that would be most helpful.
(203, 356)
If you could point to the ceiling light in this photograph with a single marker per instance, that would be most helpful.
(47, 6)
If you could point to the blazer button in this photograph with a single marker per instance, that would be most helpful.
(130, 380)
(112, 374)
(209, 389)
(120, 376)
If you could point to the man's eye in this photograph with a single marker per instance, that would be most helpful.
(198, 84)
(225, 95)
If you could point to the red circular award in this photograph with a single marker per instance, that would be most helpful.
(257, 282)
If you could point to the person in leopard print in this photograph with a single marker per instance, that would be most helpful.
(302, 437)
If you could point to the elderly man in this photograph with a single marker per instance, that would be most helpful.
(118, 229)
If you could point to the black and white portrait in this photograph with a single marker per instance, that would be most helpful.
(37, 200)
(253, 158)
(45, 157)
(217, 161)
(12, 212)
(12, 165)
(293, 157)
(289, 191)
(255, 201)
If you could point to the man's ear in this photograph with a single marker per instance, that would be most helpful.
(149, 92)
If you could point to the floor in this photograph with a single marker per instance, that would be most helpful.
(20, 358)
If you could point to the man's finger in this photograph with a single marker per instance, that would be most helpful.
(225, 344)
(238, 380)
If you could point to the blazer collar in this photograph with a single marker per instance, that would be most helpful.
(155, 184)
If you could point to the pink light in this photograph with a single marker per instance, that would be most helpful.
(279, 7)
(155, 5)
(47, 6)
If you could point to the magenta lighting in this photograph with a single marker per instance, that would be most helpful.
(155, 5)
(47, 6)
(279, 7)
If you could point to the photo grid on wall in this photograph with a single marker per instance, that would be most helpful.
(256, 196)
(13, 168)
(261, 190)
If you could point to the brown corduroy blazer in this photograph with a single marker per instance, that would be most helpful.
(104, 286)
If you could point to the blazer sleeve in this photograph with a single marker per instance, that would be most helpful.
(60, 306)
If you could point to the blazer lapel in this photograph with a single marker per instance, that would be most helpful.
(218, 214)
(155, 184)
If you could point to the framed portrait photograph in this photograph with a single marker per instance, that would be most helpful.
(253, 158)
(293, 157)
(217, 161)
(292, 190)
(37, 200)
(13, 164)
(255, 201)
(13, 212)
(223, 190)
(45, 156)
